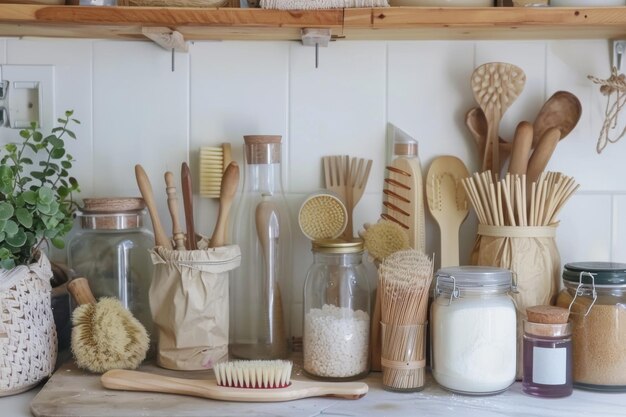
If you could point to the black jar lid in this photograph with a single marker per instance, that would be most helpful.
(604, 273)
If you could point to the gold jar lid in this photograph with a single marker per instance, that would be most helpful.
(337, 246)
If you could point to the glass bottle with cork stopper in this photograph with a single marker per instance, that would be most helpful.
(260, 288)
(547, 352)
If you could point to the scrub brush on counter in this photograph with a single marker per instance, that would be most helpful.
(321, 4)
(381, 240)
(246, 381)
(213, 163)
(105, 335)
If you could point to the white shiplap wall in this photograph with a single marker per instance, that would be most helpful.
(135, 110)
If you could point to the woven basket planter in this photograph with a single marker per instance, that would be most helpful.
(28, 339)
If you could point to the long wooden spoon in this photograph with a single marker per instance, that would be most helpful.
(562, 111)
(496, 85)
(160, 238)
(542, 153)
(476, 123)
(185, 179)
(230, 180)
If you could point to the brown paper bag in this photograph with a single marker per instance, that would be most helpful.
(531, 254)
(189, 305)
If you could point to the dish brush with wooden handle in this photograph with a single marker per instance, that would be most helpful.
(245, 381)
(105, 335)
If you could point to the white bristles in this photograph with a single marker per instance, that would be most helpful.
(213, 162)
(253, 374)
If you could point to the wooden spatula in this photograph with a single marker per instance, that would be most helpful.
(447, 203)
(160, 238)
(357, 180)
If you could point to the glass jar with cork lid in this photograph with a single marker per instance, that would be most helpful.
(595, 294)
(112, 250)
(336, 312)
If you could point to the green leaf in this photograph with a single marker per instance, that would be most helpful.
(30, 197)
(2, 236)
(24, 217)
(69, 113)
(58, 242)
(50, 233)
(25, 134)
(37, 175)
(76, 121)
(32, 146)
(26, 161)
(70, 134)
(11, 147)
(73, 182)
(56, 142)
(11, 228)
(57, 153)
(45, 195)
(66, 164)
(63, 191)
(6, 210)
(57, 129)
(62, 121)
(43, 208)
(17, 240)
(4, 253)
(3, 223)
(37, 136)
(7, 264)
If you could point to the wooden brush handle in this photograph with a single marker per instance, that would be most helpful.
(522, 144)
(542, 153)
(142, 381)
(228, 189)
(145, 188)
(185, 175)
(172, 204)
(79, 288)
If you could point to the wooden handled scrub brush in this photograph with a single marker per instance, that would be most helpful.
(105, 335)
(245, 381)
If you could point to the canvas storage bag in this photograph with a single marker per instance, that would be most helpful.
(189, 305)
(531, 254)
(28, 338)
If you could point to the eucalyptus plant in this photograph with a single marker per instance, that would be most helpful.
(36, 189)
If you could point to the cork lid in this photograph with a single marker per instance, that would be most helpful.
(547, 321)
(262, 149)
(547, 314)
(113, 204)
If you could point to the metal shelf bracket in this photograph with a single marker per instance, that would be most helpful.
(315, 37)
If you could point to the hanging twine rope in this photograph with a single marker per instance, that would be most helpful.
(614, 88)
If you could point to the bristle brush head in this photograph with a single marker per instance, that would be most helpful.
(254, 374)
(384, 238)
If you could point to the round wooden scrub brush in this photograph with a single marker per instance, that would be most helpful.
(105, 335)
(322, 216)
(384, 238)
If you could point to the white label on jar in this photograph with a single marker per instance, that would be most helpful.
(549, 366)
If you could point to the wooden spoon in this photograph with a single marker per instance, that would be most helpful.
(542, 153)
(447, 203)
(562, 110)
(185, 178)
(230, 180)
(521, 148)
(160, 238)
(496, 85)
(476, 122)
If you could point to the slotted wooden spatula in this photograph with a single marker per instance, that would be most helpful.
(447, 203)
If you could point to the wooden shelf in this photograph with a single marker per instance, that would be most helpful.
(257, 24)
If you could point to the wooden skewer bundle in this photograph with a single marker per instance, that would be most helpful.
(404, 283)
(511, 202)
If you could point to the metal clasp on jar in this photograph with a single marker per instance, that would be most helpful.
(455, 293)
(580, 290)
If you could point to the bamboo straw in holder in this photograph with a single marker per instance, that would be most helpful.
(404, 280)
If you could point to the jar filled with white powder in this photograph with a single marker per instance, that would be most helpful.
(473, 326)
(336, 312)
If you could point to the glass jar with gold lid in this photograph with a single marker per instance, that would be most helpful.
(336, 312)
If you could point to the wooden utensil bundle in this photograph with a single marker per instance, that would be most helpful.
(187, 241)
(347, 177)
(511, 202)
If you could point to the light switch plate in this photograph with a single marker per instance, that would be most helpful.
(30, 96)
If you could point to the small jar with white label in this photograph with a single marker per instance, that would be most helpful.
(547, 353)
